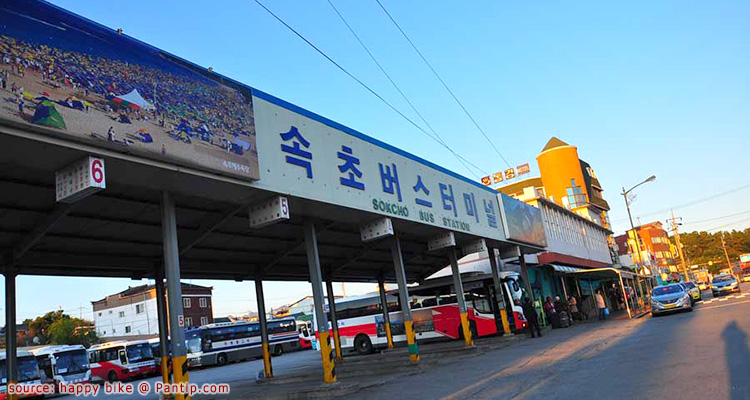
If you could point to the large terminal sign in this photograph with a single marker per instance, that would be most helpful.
(305, 155)
(73, 79)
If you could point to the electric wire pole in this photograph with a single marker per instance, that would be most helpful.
(724, 246)
(679, 245)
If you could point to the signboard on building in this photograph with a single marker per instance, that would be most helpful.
(79, 81)
(80, 179)
(308, 156)
(522, 222)
(745, 258)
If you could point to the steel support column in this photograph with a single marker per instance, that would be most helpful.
(386, 315)
(625, 296)
(460, 298)
(313, 263)
(174, 291)
(334, 322)
(162, 317)
(403, 294)
(267, 366)
(503, 325)
(11, 359)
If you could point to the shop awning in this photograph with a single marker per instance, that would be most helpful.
(565, 269)
(596, 273)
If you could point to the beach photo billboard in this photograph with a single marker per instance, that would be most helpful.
(522, 222)
(66, 76)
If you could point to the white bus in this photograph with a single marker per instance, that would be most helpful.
(434, 310)
(218, 344)
(63, 364)
(28, 371)
(121, 360)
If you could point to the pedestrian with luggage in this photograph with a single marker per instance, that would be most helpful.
(601, 305)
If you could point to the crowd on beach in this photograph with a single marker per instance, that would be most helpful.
(178, 94)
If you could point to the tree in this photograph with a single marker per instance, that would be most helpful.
(69, 330)
(702, 247)
(56, 327)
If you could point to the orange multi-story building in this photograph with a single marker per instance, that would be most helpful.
(566, 180)
(654, 250)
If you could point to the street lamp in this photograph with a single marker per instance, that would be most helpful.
(630, 217)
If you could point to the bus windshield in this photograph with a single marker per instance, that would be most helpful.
(516, 289)
(71, 362)
(193, 343)
(27, 370)
(139, 352)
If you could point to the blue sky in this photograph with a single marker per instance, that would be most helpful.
(640, 87)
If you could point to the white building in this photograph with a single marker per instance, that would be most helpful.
(132, 312)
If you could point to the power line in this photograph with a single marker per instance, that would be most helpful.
(692, 203)
(398, 89)
(344, 70)
(716, 218)
(729, 224)
(443, 82)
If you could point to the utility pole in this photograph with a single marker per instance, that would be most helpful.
(679, 245)
(724, 246)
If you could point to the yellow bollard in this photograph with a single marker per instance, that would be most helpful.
(411, 341)
(467, 332)
(180, 370)
(504, 318)
(326, 353)
(267, 367)
(165, 373)
(388, 334)
(337, 345)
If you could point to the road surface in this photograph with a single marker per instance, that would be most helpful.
(689, 355)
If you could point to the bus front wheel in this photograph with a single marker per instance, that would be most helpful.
(362, 344)
(112, 376)
(278, 350)
(221, 359)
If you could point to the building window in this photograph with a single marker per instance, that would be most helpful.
(188, 321)
(110, 311)
(204, 320)
(203, 302)
(114, 330)
(185, 302)
(100, 314)
(572, 182)
(575, 197)
(139, 308)
(122, 314)
(127, 329)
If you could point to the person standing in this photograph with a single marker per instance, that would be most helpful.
(529, 311)
(601, 305)
(111, 134)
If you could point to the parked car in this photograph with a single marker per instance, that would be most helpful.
(669, 298)
(703, 285)
(695, 293)
(725, 283)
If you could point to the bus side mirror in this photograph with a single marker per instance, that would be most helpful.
(123, 358)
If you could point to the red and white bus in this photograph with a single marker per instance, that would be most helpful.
(121, 360)
(434, 309)
(306, 336)
(66, 364)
